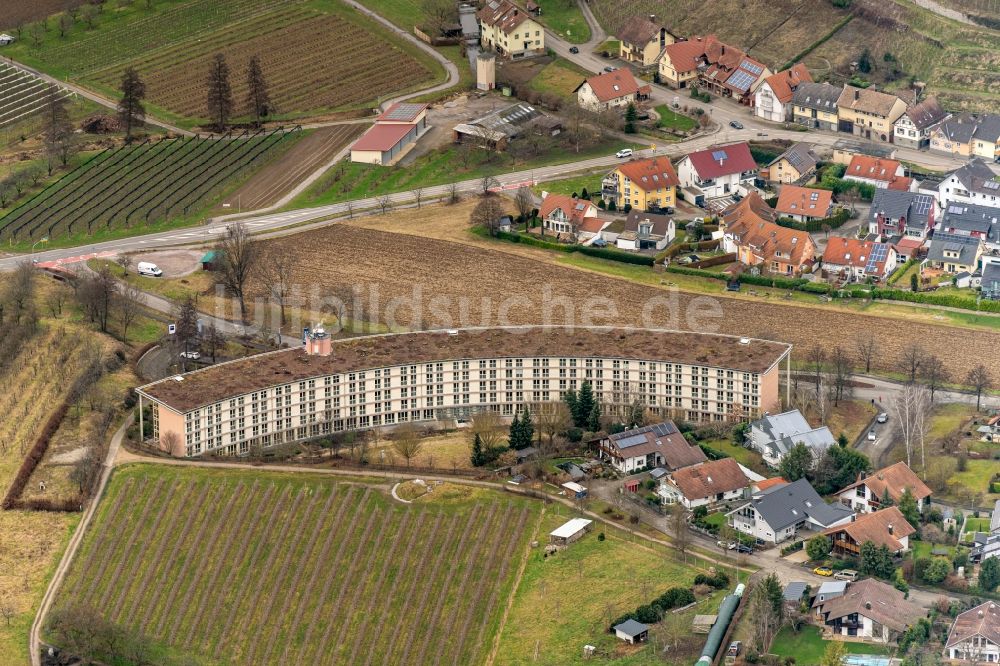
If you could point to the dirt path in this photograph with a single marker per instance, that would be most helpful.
(945, 12)
(278, 178)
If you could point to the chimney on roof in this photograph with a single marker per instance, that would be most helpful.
(890, 528)
(318, 342)
(857, 94)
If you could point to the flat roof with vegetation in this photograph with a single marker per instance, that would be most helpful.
(209, 385)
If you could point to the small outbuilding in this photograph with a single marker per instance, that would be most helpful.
(209, 260)
(570, 531)
(792, 595)
(632, 631)
(6, 39)
(578, 491)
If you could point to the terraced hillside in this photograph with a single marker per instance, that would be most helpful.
(905, 42)
(23, 94)
(258, 568)
(140, 185)
(317, 56)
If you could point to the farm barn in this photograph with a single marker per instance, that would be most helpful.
(392, 134)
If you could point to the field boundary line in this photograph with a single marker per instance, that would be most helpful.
(34, 637)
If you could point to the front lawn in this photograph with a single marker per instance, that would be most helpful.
(564, 18)
(560, 78)
(808, 646)
(977, 524)
(574, 184)
(672, 120)
(744, 456)
(975, 479)
(717, 519)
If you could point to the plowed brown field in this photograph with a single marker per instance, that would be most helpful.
(453, 284)
(20, 12)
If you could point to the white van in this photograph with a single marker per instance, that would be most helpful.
(624, 152)
(148, 268)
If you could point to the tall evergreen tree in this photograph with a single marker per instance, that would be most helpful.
(514, 436)
(258, 98)
(594, 418)
(585, 405)
(527, 428)
(131, 111)
(220, 92)
(570, 398)
(631, 115)
(478, 457)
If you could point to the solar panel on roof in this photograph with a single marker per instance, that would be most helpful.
(740, 80)
(631, 441)
(751, 67)
(955, 210)
(992, 184)
(923, 204)
(719, 155)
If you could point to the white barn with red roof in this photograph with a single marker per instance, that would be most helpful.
(719, 171)
(394, 130)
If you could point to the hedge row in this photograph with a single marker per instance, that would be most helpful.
(858, 291)
(719, 581)
(675, 597)
(599, 252)
(714, 261)
(681, 248)
(894, 278)
(813, 226)
(35, 455)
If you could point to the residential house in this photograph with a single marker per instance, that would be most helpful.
(660, 445)
(498, 128)
(750, 210)
(913, 128)
(844, 150)
(973, 183)
(814, 105)
(831, 589)
(990, 286)
(394, 130)
(641, 40)
(769, 246)
(797, 165)
(871, 610)
(773, 99)
(723, 69)
(881, 173)
(975, 635)
(611, 90)
(510, 30)
(952, 253)
(719, 171)
(855, 260)
(680, 62)
(804, 204)
(904, 215)
(984, 547)
(648, 184)
(774, 435)
(866, 494)
(968, 135)
(708, 483)
(562, 214)
(779, 513)
(868, 113)
(971, 220)
(886, 527)
(646, 231)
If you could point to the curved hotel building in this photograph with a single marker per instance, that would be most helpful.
(436, 377)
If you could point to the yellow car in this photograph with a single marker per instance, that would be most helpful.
(823, 571)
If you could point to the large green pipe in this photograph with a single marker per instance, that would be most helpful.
(726, 610)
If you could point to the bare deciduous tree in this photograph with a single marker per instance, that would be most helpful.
(129, 302)
(406, 442)
(909, 409)
(910, 360)
(979, 379)
(453, 196)
(487, 183)
(276, 274)
(489, 426)
(214, 340)
(258, 97)
(384, 204)
(7, 610)
(170, 441)
(487, 214)
(239, 256)
(124, 262)
(418, 195)
(679, 530)
(524, 200)
(817, 358)
(841, 364)
(552, 418)
(934, 373)
(867, 350)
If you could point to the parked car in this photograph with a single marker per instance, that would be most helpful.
(599, 242)
(610, 69)
(872, 435)
(743, 548)
(735, 124)
(733, 285)
(882, 418)
(823, 571)
(574, 50)
(734, 648)
(148, 268)
(192, 355)
(849, 575)
(624, 152)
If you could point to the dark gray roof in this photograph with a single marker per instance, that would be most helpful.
(659, 224)
(794, 591)
(977, 177)
(636, 436)
(631, 628)
(787, 429)
(819, 96)
(988, 127)
(964, 245)
(896, 204)
(864, 148)
(800, 156)
(958, 128)
(966, 219)
(991, 275)
(526, 452)
(926, 113)
(794, 502)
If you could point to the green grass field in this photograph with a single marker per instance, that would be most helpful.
(565, 601)
(808, 646)
(559, 77)
(565, 19)
(977, 524)
(670, 119)
(239, 567)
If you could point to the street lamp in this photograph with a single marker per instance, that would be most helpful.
(44, 239)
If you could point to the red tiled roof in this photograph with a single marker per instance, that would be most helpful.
(770, 483)
(795, 200)
(737, 160)
(752, 208)
(651, 173)
(766, 240)
(983, 620)
(382, 136)
(612, 85)
(710, 478)
(901, 183)
(852, 252)
(575, 209)
(874, 168)
(687, 55)
(894, 478)
(503, 14)
(875, 527)
(592, 225)
(784, 83)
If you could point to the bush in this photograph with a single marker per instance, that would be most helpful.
(600, 536)
(599, 252)
(813, 226)
(719, 581)
(712, 454)
(574, 435)
(651, 613)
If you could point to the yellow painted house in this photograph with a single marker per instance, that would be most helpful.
(642, 184)
(868, 113)
(509, 30)
(641, 41)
